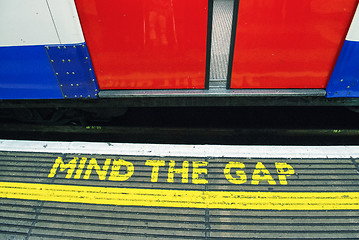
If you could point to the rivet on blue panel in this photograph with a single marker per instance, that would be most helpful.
(71, 64)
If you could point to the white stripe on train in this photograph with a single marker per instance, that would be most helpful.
(353, 34)
(39, 22)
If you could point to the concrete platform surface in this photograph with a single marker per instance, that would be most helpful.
(73, 190)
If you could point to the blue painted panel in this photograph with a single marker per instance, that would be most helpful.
(26, 73)
(74, 71)
(344, 81)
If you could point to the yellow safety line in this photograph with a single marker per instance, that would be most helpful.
(182, 198)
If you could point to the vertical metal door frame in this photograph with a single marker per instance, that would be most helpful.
(209, 43)
(233, 40)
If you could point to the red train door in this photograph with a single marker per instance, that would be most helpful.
(146, 44)
(289, 44)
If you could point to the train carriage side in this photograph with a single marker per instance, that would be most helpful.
(178, 53)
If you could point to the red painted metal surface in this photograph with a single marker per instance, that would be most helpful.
(146, 44)
(289, 44)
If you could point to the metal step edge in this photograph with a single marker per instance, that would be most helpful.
(216, 92)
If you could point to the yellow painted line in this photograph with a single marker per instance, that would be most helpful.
(181, 198)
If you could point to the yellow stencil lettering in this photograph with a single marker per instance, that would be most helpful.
(242, 177)
(115, 171)
(284, 170)
(197, 171)
(155, 164)
(59, 163)
(80, 168)
(100, 172)
(183, 171)
(262, 174)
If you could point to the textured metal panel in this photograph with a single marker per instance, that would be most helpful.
(289, 44)
(73, 69)
(221, 36)
(26, 73)
(24, 219)
(214, 91)
(345, 78)
(148, 44)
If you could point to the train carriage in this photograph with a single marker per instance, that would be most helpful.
(94, 54)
